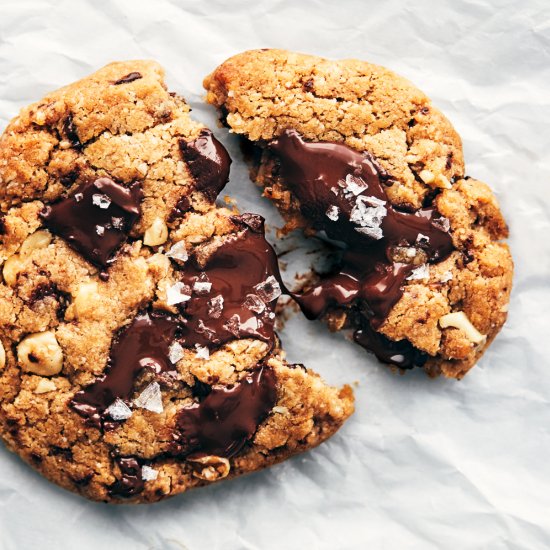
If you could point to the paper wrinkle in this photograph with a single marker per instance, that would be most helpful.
(423, 464)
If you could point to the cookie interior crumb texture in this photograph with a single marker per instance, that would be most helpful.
(358, 152)
(127, 320)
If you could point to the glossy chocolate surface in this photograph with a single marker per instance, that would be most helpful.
(96, 218)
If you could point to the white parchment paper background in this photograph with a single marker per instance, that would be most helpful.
(422, 464)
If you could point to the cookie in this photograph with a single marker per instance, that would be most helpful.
(355, 151)
(138, 352)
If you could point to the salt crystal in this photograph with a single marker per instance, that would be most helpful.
(100, 230)
(178, 252)
(353, 185)
(369, 218)
(202, 352)
(78, 197)
(118, 223)
(203, 329)
(233, 325)
(269, 290)
(254, 303)
(411, 252)
(148, 473)
(271, 315)
(422, 239)
(446, 277)
(175, 352)
(202, 285)
(215, 306)
(103, 201)
(332, 213)
(118, 410)
(421, 272)
(443, 223)
(150, 398)
(177, 293)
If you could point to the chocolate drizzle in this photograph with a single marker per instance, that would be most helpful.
(96, 219)
(245, 284)
(143, 344)
(227, 418)
(208, 162)
(131, 482)
(342, 192)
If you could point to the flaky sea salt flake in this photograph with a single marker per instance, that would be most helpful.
(175, 352)
(101, 200)
(100, 230)
(215, 306)
(148, 473)
(254, 303)
(178, 252)
(353, 185)
(150, 398)
(332, 213)
(446, 277)
(202, 352)
(177, 293)
(421, 272)
(118, 410)
(269, 290)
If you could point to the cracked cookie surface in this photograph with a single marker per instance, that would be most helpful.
(354, 150)
(120, 335)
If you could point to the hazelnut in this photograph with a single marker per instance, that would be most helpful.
(459, 320)
(426, 176)
(85, 298)
(39, 239)
(44, 386)
(40, 353)
(12, 267)
(156, 234)
(210, 468)
(443, 182)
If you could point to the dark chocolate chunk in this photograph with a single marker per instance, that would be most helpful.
(228, 417)
(341, 191)
(245, 285)
(130, 482)
(401, 354)
(130, 77)
(182, 207)
(96, 219)
(51, 289)
(71, 133)
(208, 162)
(143, 344)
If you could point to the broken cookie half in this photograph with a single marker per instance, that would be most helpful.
(138, 356)
(355, 152)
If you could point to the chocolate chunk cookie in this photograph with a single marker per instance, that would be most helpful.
(356, 152)
(138, 356)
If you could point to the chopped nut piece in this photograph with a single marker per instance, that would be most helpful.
(39, 239)
(156, 234)
(426, 176)
(12, 268)
(44, 386)
(85, 298)
(40, 353)
(459, 320)
(210, 468)
(443, 182)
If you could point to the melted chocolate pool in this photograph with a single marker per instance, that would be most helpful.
(343, 192)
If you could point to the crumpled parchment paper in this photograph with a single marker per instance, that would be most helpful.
(423, 464)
